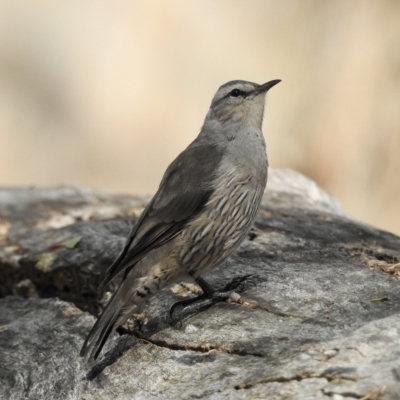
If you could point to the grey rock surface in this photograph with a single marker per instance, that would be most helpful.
(326, 324)
(39, 342)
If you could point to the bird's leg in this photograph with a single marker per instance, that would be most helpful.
(209, 297)
(194, 304)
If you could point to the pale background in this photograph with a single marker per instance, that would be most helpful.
(105, 94)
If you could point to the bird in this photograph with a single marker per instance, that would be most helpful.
(203, 209)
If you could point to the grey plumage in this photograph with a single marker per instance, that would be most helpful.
(203, 209)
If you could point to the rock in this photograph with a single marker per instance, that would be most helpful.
(39, 344)
(322, 318)
(38, 228)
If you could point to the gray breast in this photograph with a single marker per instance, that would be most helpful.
(218, 231)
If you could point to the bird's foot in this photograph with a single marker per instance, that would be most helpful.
(210, 296)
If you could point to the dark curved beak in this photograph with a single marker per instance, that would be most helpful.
(265, 87)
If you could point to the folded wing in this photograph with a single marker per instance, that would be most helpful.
(184, 190)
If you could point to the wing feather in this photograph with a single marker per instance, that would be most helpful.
(183, 192)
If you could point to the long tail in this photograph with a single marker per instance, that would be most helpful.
(108, 321)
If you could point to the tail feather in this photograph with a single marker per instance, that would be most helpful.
(108, 321)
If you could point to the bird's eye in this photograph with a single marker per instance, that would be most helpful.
(235, 93)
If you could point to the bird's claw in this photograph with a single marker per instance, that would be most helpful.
(190, 306)
(209, 297)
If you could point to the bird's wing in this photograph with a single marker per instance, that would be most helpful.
(183, 192)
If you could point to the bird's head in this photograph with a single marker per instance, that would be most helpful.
(240, 102)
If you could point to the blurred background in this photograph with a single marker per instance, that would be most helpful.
(105, 94)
